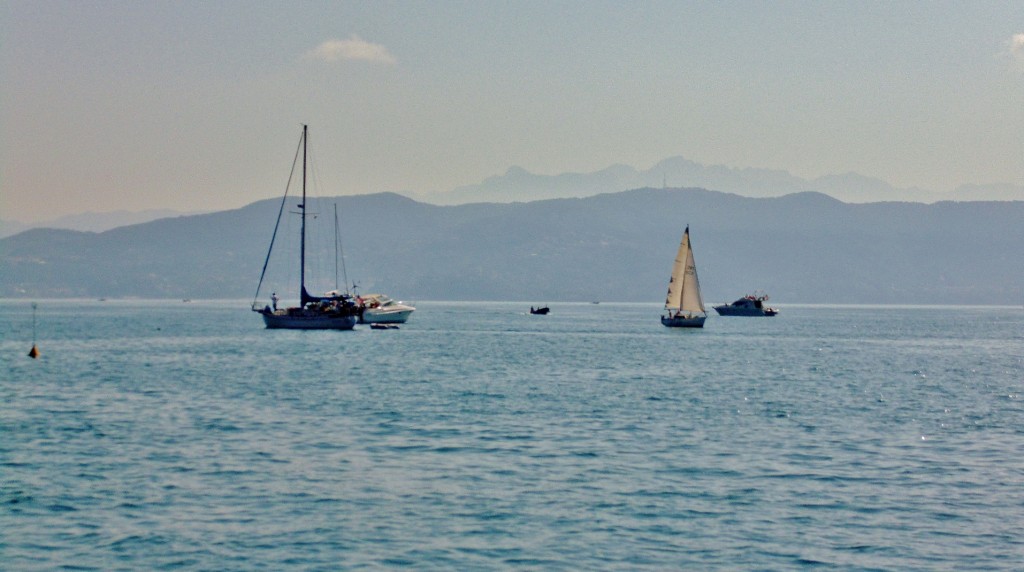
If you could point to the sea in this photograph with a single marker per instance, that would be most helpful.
(164, 435)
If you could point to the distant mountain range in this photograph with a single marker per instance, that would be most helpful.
(91, 221)
(517, 184)
(800, 248)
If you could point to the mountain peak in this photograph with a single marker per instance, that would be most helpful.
(517, 171)
(520, 185)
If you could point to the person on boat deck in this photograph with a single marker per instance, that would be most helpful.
(274, 299)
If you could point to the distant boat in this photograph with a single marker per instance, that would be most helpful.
(334, 311)
(684, 306)
(380, 309)
(752, 305)
(542, 311)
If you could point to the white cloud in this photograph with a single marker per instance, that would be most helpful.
(1017, 47)
(354, 48)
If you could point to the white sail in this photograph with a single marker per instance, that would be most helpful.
(683, 286)
(674, 298)
(692, 301)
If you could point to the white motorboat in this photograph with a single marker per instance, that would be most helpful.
(684, 306)
(381, 309)
(752, 305)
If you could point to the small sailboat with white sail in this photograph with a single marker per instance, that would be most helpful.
(332, 311)
(684, 307)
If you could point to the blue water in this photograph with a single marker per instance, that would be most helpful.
(171, 436)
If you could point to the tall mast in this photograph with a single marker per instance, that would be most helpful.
(302, 248)
(336, 248)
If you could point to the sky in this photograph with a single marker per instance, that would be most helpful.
(197, 106)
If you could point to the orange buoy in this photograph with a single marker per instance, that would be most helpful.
(34, 352)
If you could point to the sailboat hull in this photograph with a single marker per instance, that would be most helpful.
(303, 320)
(682, 322)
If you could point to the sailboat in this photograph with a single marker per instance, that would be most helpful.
(332, 311)
(684, 306)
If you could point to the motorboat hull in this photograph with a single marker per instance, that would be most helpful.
(376, 316)
(683, 322)
(740, 311)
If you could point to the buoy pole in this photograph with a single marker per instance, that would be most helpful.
(34, 352)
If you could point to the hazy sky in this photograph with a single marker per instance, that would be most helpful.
(198, 105)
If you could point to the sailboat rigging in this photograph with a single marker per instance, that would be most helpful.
(684, 306)
(333, 311)
(339, 254)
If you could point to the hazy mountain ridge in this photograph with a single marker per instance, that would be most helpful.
(92, 221)
(803, 247)
(518, 184)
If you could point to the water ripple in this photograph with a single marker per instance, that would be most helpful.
(477, 438)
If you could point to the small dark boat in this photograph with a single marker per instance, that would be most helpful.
(383, 327)
(543, 311)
